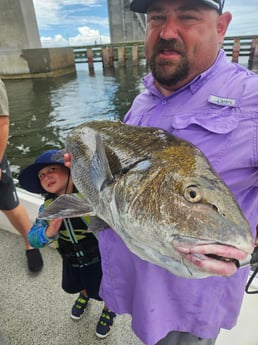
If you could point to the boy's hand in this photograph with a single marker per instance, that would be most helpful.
(53, 227)
(67, 160)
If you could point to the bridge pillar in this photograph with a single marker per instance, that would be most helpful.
(18, 25)
(125, 25)
(21, 55)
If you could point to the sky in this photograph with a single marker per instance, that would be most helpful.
(80, 22)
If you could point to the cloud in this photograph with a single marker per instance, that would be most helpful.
(72, 22)
(65, 12)
(244, 14)
(59, 40)
(47, 12)
(86, 36)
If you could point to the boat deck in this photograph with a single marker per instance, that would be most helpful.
(34, 310)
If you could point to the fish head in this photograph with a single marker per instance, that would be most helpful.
(209, 232)
(186, 214)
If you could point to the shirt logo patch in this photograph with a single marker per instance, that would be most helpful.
(224, 102)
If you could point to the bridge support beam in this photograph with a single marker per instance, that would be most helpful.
(125, 25)
(21, 55)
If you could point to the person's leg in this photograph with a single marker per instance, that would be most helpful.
(17, 215)
(183, 338)
(80, 305)
(105, 323)
(71, 283)
(19, 219)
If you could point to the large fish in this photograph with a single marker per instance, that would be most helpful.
(159, 194)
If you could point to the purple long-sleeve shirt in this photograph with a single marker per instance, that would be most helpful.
(218, 112)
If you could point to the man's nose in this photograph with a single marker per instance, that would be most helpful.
(169, 30)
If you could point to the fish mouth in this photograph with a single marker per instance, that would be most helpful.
(221, 258)
(213, 258)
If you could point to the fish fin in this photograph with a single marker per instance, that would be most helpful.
(97, 223)
(100, 171)
(67, 206)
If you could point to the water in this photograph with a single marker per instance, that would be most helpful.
(43, 111)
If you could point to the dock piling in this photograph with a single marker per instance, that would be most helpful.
(253, 57)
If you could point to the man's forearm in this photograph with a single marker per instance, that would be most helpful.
(4, 132)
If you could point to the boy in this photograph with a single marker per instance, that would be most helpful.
(78, 248)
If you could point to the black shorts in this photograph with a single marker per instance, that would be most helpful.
(8, 195)
(75, 279)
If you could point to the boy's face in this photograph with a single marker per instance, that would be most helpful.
(54, 178)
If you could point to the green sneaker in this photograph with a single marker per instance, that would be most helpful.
(79, 307)
(105, 323)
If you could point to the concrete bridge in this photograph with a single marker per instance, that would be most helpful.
(125, 25)
(21, 54)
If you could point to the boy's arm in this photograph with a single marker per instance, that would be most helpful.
(37, 235)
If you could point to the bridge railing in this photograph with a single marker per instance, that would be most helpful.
(118, 51)
(242, 46)
(234, 47)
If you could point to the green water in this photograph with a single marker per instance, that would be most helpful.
(43, 111)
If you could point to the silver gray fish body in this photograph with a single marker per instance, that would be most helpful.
(160, 195)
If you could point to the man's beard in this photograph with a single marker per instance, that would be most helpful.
(168, 76)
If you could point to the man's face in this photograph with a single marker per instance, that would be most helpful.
(183, 38)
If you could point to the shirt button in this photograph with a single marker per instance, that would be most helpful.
(164, 101)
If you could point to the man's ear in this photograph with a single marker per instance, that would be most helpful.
(223, 22)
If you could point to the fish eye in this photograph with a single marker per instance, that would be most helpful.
(193, 194)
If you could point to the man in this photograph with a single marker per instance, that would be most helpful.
(194, 93)
(9, 202)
